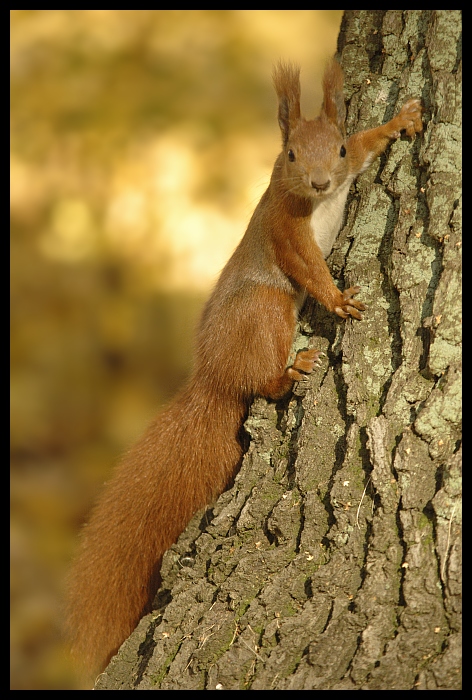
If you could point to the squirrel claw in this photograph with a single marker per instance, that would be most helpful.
(350, 306)
(355, 313)
(306, 361)
(410, 117)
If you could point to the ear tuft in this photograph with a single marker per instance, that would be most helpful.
(286, 77)
(334, 106)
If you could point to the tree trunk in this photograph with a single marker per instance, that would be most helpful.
(334, 560)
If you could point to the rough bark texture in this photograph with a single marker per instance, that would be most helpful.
(334, 561)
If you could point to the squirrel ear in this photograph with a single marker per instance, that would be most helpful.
(334, 106)
(287, 85)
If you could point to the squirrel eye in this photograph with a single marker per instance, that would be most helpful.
(291, 155)
(342, 152)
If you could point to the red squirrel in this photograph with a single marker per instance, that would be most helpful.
(191, 452)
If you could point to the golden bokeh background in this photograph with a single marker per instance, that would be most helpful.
(141, 141)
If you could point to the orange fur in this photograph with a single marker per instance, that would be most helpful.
(192, 450)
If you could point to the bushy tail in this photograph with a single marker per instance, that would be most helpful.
(185, 459)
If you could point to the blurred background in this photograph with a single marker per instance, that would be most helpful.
(141, 141)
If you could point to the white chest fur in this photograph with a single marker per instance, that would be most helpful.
(327, 218)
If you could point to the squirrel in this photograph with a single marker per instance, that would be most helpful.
(191, 452)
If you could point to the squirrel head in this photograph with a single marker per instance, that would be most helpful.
(314, 162)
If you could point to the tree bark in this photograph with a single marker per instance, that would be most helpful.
(334, 560)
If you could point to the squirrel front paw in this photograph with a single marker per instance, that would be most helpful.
(408, 119)
(349, 306)
(305, 361)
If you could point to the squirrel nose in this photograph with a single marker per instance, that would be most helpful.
(320, 187)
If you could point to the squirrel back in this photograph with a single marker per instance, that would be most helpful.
(191, 452)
